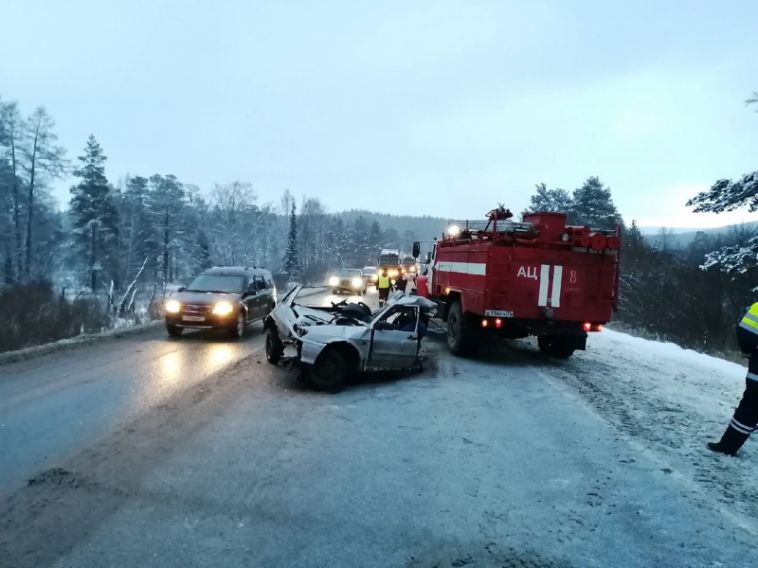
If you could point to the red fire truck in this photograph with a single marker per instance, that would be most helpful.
(539, 277)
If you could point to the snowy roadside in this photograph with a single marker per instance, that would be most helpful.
(121, 329)
(669, 401)
(71, 342)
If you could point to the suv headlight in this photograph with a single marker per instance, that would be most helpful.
(222, 309)
(173, 307)
(357, 282)
(334, 281)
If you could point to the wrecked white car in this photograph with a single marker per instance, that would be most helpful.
(332, 343)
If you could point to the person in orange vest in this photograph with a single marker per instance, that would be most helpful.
(383, 285)
(745, 418)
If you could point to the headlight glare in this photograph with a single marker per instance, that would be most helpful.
(173, 307)
(222, 309)
(334, 281)
(357, 282)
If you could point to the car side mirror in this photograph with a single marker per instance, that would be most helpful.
(428, 258)
(382, 325)
(247, 293)
(181, 289)
(416, 249)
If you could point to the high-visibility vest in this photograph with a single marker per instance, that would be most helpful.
(750, 321)
(383, 281)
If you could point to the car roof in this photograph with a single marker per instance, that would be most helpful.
(236, 270)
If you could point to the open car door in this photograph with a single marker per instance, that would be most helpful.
(395, 339)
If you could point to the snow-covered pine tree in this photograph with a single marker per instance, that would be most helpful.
(42, 159)
(136, 237)
(374, 240)
(11, 183)
(94, 216)
(291, 264)
(166, 204)
(728, 195)
(553, 200)
(593, 205)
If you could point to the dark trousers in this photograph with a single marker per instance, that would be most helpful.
(383, 293)
(745, 418)
(746, 415)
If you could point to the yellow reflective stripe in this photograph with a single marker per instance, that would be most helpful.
(749, 326)
(750, 317)
(753, 311)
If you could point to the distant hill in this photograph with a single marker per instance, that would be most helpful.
(681, 238)
(424, 227)
(427, 228)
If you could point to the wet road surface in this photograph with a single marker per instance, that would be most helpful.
(55, 404)
(488, 462)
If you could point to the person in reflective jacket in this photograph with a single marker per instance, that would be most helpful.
(745, 417)
(383, 285)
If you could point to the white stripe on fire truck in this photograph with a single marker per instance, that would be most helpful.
(475, 268)
(544, 283)
(555, 298)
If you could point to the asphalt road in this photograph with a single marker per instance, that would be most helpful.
(145, 451)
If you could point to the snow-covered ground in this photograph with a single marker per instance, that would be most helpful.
(669, 401)
(196, 452)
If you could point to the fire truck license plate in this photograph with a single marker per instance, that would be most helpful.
(498, 313)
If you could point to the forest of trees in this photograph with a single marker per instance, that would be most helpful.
(155, 229)
(113, 244)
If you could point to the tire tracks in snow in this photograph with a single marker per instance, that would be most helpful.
(622, 390)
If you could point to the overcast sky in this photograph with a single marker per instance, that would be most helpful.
(439, 108)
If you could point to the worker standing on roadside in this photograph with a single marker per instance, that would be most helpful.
(383, 285)
(745, 417)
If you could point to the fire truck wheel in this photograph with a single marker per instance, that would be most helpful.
(461, 339)
(557, 347)
(330, 371)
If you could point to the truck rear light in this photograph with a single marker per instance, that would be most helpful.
(485, 323)
(498, 323)
(586, 326)
(597, 327)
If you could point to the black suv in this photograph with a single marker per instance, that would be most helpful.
(226, 297)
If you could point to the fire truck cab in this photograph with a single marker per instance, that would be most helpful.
(538, 277)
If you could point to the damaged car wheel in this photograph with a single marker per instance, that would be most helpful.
(330, 371)
(274, 348)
